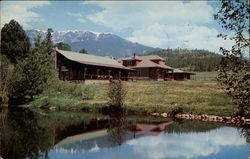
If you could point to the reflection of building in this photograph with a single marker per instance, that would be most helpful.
(88, 141)
(150, 129)
(147, 67)
(77, 66)
(95, 140)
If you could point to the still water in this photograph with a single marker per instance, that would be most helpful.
(40, 134)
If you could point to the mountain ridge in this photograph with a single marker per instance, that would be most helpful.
(96, 43)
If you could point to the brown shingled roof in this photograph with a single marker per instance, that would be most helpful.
(145, 61)
(146, 57)
(91, 59)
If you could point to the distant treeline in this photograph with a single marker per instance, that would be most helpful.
(190, 60)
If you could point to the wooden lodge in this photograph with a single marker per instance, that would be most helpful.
(75, 66)
(147, 67)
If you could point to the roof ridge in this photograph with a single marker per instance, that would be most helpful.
(91, 59)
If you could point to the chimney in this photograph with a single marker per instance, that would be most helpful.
(134, 56)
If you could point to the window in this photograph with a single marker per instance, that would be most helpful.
(129, 63)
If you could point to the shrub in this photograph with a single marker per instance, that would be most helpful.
(176, 110)
(116, 94)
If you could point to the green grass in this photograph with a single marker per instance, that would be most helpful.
(198, 97)
(192, 96)
(206, 75)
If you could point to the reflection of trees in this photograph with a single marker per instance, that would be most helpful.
(245, 132)
(117, 129)
(21, 136)
(192, 126)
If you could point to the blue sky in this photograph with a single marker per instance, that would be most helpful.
(164, 24)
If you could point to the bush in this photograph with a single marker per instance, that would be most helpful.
(176, 110)
(116, 94)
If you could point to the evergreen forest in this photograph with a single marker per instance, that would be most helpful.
(190, 60)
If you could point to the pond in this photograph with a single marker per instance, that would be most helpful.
(40, 134)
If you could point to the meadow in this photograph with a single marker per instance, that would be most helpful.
(200, 96)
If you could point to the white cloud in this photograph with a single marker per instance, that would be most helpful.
(163, 23)
(74, 14)
(19, 10)
(119, 15)
(186, 145)
(183, 36)
(81, 20)
(80, 17)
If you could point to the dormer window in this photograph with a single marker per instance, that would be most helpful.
(156, 61)
(129, 63)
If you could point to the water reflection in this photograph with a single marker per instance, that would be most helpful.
(29, 134)
(150, 128)
(187, 145)
(117, 129)
(21, 135)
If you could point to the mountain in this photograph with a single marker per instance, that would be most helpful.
(102, 44)
(190, 60)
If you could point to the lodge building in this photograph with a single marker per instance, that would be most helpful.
(79, 67)
(75, 66)
(147, 67)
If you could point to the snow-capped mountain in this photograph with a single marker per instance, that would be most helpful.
(102, 44)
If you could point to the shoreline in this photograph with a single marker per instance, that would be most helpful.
(237, 120)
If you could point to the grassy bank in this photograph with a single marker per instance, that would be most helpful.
(198, 97)
(193, 96)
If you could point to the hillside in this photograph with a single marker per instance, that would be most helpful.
(190, 60)
(102, 44)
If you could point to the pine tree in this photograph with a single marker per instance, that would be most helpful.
(31, 75)
(48, 41)
(15, 44)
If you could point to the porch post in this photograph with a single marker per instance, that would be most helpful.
(109, 74)
(85, 70)
(79, 74)
(157, 74)
(97, 73)
(119, 74)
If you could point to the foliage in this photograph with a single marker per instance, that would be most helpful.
(83, 51)
(234, 69)
(31, 75)
(63, 46)
(116, 94)
(6, 70)
(190, 60)
(15, 44)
